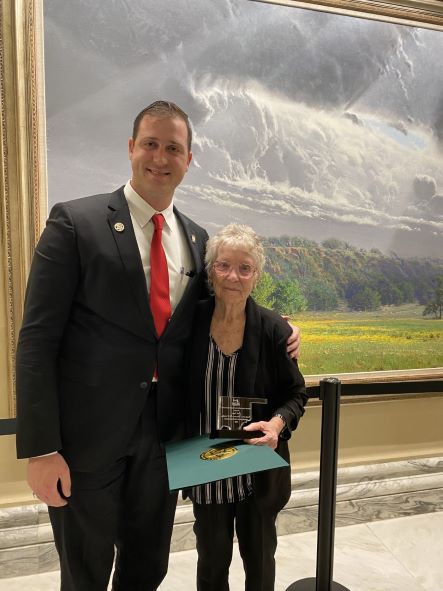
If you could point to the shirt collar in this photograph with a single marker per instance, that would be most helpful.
(141, 211)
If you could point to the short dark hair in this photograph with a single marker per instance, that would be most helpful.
(163, 109)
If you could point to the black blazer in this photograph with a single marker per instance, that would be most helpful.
(264, 370)
(87, 348)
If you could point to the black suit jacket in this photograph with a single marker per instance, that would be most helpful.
(87, 348)
(264, 370)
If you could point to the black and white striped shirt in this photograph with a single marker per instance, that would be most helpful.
(219, 381)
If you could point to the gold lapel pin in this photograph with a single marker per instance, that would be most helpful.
(193, 238)
(119, 227)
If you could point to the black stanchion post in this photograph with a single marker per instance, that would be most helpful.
(330, 396)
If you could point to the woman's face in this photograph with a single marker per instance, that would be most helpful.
(233, 275)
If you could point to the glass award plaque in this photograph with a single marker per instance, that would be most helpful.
(233, 414)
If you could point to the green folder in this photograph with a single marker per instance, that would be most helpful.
(187, 466)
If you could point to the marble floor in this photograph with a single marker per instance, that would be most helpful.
(401, 554)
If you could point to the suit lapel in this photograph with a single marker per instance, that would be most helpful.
(194, 241)
(120, 223)
(198, 360)
(247, 369)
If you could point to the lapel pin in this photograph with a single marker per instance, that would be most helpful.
(119, 227)
(193, 238)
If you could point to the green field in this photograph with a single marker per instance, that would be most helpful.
(388, 339)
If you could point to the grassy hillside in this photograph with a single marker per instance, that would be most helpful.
(391, 338)
(352, 278)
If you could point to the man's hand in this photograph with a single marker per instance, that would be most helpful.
(43, 475)
(294, 341)
(271, 430)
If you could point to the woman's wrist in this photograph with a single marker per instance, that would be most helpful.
(279, 421)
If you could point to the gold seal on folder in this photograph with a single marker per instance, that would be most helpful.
(219, 453)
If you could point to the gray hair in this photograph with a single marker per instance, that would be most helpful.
(240, 237)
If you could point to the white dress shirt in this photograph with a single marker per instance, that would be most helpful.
(175, 245)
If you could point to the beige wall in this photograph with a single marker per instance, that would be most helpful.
(13, 487)
(381, 431)
(12, 471)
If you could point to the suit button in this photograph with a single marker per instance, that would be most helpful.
(143, 385)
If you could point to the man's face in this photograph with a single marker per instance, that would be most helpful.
(159, 157)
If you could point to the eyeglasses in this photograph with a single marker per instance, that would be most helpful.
(244, 270)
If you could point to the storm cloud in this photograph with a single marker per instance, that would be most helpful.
(305, 122)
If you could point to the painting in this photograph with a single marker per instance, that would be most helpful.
(310, 126)
(323, 132)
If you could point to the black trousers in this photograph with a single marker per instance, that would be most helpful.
(125, 511)
(257, 542)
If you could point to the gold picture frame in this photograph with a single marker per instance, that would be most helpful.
(419, 13)
(23, 176)
(23, 165)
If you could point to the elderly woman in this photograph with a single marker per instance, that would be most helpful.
(239, 349)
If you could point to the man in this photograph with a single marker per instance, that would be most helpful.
(109, 305)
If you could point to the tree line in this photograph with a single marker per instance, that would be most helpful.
(301, 274)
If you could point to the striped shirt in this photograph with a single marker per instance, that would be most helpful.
(219, 381)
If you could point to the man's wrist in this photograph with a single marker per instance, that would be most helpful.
(51, 453)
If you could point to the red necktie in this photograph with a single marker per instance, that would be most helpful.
(159, 295)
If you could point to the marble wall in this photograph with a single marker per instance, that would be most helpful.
(26, 542)
(365, 493)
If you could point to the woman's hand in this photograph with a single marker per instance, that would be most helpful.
(271, 430)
